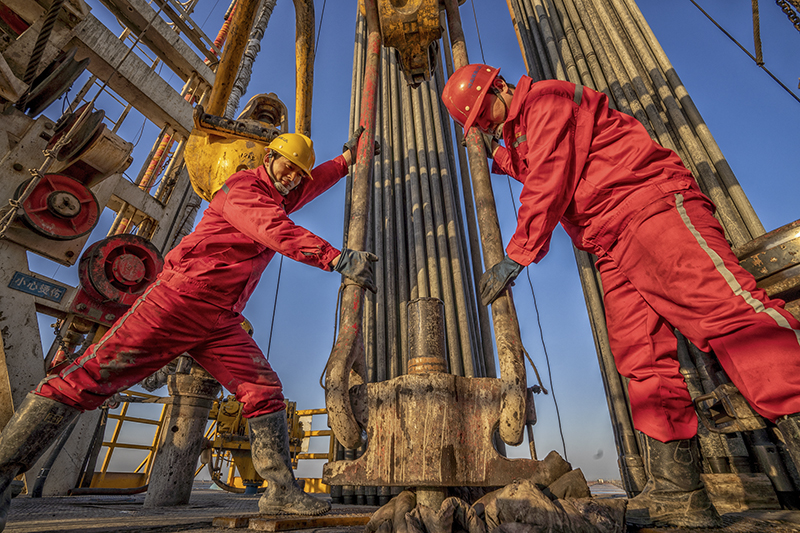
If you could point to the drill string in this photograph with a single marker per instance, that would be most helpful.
(14, 205)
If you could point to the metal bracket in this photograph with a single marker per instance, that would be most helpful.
(725, 410)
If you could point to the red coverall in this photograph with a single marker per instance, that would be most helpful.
(194, 304)
(663, 257)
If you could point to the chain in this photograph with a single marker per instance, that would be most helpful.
(66, 348)
(787, 8)
(15, 204)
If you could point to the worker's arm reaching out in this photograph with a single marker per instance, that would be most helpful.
(557, 135)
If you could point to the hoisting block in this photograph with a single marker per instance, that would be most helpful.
(429, 429)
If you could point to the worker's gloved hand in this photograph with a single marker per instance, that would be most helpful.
(497, 278)
(357, 266)
(352, 144)
(489, 144)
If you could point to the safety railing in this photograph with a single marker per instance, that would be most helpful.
(102, 477)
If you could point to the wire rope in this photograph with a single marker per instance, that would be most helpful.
(480, 43)
(274, 307)
(732, 38)
(319, 30)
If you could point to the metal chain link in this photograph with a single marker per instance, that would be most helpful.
(787, 8)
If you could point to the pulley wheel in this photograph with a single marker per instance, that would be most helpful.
(59, 207)
(81, 137)
(53, 81)
(119, 268)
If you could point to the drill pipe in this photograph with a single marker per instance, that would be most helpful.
(400, 363)
(487, 361)
(350, 343)
(506, 327)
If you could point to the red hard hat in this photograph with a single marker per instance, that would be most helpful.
(464, 92)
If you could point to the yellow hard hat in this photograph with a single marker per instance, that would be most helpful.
(297, 148)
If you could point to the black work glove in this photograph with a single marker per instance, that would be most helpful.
(357, 266)
(488, 144)
(497, 278)
(352, 144)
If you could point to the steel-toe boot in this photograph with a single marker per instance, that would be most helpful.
(36, 424)
(269, 447)
(673, 495)
(790, 429)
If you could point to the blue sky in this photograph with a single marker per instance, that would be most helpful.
(754, 121)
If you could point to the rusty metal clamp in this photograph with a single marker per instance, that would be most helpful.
(725, 410)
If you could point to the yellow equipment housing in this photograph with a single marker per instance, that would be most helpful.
(217, 148)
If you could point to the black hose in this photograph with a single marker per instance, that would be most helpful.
(38, 486)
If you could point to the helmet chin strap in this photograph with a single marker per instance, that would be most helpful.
(281, 188)
(498, 131)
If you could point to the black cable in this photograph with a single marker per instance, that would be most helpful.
(319, 30)
(335, 333)
(480, 43)
(141, 131)
(541, 336)
(762, 67)
(274, 306)
(210, 13)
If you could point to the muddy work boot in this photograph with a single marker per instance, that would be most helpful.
(790, 429)
(269, 443)
(673, 495)
(36, 424)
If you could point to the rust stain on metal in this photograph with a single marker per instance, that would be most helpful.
(420, 435)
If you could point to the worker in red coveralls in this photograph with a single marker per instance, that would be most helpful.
(663, 259)
(193, 306)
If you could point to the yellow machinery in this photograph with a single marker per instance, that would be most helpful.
(226, 454)
(228, 448)
(219, 147)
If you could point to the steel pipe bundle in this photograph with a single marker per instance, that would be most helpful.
(417, 228)
(607, 45)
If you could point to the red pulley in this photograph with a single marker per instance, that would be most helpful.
(59, 207)
(119, 268)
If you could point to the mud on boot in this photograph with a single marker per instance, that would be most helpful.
(269, 447)
(290, 500)
(35, 425)
(789, 426)
(674, 495)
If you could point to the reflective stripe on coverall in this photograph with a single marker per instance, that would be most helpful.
(663, 257)
(194, 304)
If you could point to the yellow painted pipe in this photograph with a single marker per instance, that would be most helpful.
(232, 53)
(304, 52)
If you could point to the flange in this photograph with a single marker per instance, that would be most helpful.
(59, 207)
(119, 268)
